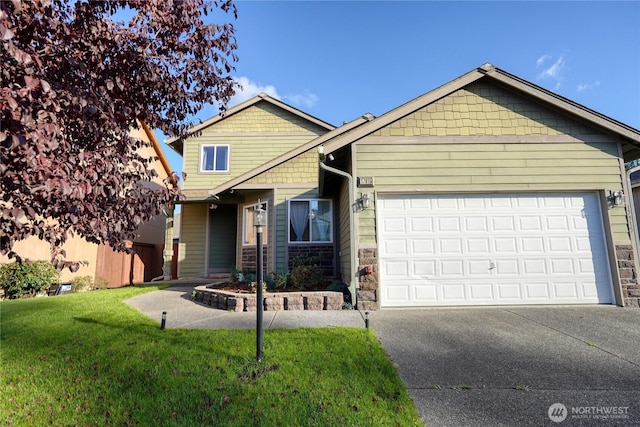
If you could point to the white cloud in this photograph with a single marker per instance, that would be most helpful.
(587, 86)
(249, 89)
(542, 59)
(555, 70)
(306, 100)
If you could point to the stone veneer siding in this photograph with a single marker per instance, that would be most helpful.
(368, 283)
(324, 252)
(628, 275)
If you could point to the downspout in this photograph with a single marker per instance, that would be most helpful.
(352, 241)
(636, 233)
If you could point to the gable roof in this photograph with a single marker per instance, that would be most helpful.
(336, 132)
(628, 134)
(177, 143)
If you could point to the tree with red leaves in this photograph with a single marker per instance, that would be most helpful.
(74, 81)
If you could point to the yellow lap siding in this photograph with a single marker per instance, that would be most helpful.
(528, 167)
(193, 239)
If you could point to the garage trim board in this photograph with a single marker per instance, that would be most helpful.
(492, 249)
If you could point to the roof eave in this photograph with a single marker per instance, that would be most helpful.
(565, 104)
(244, 105)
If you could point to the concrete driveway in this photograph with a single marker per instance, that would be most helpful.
(507, 366)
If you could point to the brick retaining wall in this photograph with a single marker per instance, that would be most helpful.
(280, 301)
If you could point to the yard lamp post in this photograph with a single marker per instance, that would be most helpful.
(259, 221)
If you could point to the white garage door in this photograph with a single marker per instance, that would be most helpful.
(492, 249)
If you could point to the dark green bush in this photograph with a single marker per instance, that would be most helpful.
(280, 281)
(306, 273)
(27, 278)
(307, 277)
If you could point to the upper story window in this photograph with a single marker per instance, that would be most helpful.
(249, 231)
(214, 158)
(310, 221)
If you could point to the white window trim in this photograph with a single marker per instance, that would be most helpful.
(245, 209)
(310, 242)
(201, 157)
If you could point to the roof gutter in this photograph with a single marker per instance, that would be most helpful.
(352, 241)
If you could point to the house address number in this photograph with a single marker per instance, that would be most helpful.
(365, 181)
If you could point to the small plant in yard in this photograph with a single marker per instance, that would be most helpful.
(250, 276)
(23, 279)
(81, 283)
(461, 387)
(234, 274)
(278, 281)
(253, 287)
(100, 283)
(521, 387)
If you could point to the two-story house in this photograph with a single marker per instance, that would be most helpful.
(487, 190)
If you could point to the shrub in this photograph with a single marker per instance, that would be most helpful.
(339, 286)
(100, 283)
(278, 281)
(250, 277)
(234, 274)
(306, 273)
(269, 281)
(81, 283)
(27, 278)
(307, 277)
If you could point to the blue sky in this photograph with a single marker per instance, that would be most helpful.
(338, 60)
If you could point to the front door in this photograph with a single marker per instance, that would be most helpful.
(222, 238)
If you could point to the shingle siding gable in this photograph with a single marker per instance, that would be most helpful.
(481, 109)
(300, 169)
(264, 117)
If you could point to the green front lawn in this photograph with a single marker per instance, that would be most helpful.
(88, 359)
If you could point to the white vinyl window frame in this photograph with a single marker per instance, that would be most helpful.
(311, 223)
(248, 230)
(214, 158)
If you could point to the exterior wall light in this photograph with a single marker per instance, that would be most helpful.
(259, 217)
(616, 198)
(366, 200)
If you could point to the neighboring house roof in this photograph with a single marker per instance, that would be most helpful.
(628, 134)
(177, 145)
(161, 157)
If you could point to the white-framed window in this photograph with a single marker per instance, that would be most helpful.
(310, 221)
(248, 230)
(214, 158)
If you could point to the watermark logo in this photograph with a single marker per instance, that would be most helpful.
(557, 412)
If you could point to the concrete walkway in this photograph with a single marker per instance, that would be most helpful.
(186, 314)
